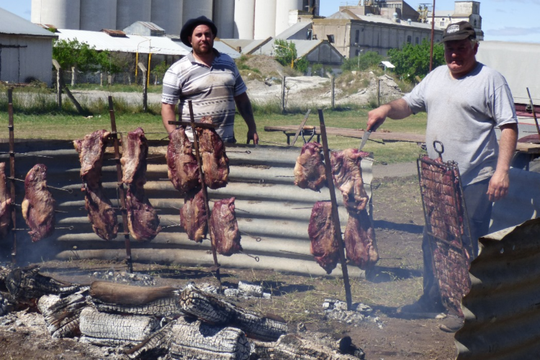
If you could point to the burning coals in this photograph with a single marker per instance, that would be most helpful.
(337, 310)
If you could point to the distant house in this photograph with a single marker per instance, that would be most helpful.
(25, 50)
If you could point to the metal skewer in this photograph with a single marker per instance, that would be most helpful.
(12, 173)
(335, 214)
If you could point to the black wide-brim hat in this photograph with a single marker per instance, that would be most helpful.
(191, 24)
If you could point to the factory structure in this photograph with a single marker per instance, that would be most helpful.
(240, 19)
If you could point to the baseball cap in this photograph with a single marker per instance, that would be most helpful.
(459, 31)
(191, 24)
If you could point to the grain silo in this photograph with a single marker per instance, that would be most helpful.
(224, 18)
(98, 14)
(196, 8)
(63, 14)
(130, 11)
(283, 19)
(265, 19)
(244, 16)
(168, 15)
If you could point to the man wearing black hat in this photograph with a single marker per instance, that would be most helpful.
(210, 80)
(465, 101)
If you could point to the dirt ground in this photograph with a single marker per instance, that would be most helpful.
(382, 334)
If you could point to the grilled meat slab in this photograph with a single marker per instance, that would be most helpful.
(214, 159)
(322, 233)
(38, 206)
(101, 214)
(193, 217)
(5, 204)
(183, 170)
(309, 171)
(224, 230)
(347, 175)
(359, 240)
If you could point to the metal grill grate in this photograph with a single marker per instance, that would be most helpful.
(447, 228)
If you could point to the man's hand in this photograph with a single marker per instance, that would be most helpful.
(498, 185)
(252, 136)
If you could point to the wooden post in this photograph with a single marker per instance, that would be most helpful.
(59, 83)
(333, 99)
(335, 214)
(301, 127)
(12, 175)
(283, 94)
(145, 87)
(378, 92)
(120, 186)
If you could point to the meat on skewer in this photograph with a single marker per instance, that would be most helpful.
(309, 171)
(214, 159)
(224, 230)
(193, 217)
(183, 169)
(322, 233)
(38, 206)
(347, 175)
(101, 214)
(143, 222)
(359, 240)
(5, 204)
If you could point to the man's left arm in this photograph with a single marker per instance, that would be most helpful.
(243, 104)
(500, 181)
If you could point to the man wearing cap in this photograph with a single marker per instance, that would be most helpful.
(210, 80)
(465, 101)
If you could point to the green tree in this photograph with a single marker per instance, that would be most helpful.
(413, 60)
(362, 62)
(73, 53)
(287, 55)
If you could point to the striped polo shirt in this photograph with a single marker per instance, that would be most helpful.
(210, 89)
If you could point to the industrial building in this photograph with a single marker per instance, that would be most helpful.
(240, 19)
(25, 50)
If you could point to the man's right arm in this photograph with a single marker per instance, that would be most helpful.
(168, 113)
(397, 109)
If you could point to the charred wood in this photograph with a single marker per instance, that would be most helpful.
(61, 314)
(104, 328)
(136, 300)
(205, 307)
(38, 206)
(28, 284)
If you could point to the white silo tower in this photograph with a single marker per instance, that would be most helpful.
(244, 16)
(265, 19)
(63, 14)
(283, 7)
(224, 18)
(196, 8)
(98, 14)
(130, 11)
(168, 15)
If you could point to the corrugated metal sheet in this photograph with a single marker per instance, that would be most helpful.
(502, 313)
(272, 213)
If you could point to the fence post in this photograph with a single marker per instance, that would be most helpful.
(333, 96)
(58, 83)
(145, 87)
(378, 92)
(283, 94)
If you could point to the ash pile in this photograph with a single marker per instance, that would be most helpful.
(128, 321)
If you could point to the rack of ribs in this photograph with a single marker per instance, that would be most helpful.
(38, 205)
(101, 214)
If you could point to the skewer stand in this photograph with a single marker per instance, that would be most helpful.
(335, 214)
(204, 189)
(120, 186)
(12, 175)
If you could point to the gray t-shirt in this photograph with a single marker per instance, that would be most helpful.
(463, 114)
(210, 89)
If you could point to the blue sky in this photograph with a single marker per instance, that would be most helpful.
(503, 20)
